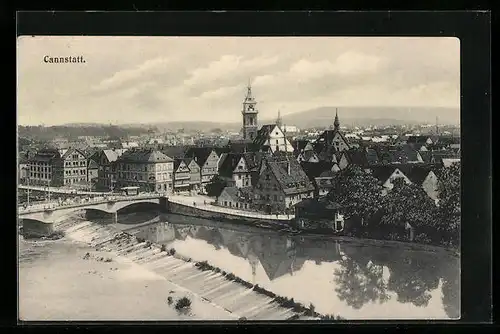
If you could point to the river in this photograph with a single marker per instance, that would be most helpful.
(352, 280)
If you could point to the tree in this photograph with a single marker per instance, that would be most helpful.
(360, 283)
(408, 203)
(357, 191)
(215, 187)
(449, 200)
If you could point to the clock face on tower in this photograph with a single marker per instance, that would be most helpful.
(251, 107)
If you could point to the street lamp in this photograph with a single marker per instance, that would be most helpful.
(48, 190)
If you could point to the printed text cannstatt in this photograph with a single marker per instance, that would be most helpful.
(63, 60)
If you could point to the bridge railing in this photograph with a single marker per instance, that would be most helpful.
(78, 202)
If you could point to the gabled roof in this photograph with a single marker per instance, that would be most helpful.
(173, 151)
(72, 150)
(382, 172)
(356, 157)
(144, 156)
(230, 162)
(200, 154)
(92, 164)
(314, 169)
(112, 155)
(254, 159)
(416, 173)
(178, 162)
(189, 161)
(300, 144)
(409, 153)
(291, 183)
(263, 134)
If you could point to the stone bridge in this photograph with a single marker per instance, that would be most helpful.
(52, 215)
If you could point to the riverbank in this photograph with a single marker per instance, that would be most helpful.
(200, 207)
(57, 282)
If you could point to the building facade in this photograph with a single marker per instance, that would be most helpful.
(40, 167)
(281, 184)
(182, 176)
(106, 174)
(71, 169)
(194, 174)
(208, 160)
(148, 169)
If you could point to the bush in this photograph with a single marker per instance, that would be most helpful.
(163, 248)
(171, 251)
(170, 300)
(422, 238)
(183, 303)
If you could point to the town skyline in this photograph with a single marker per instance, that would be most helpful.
(204, 79)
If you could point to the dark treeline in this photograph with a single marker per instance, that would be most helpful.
(48, 133)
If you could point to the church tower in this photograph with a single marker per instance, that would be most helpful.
(249, 113)
(336, 122)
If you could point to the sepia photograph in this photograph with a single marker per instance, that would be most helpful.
(238, 178)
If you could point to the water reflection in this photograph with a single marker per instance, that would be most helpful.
(355, 281)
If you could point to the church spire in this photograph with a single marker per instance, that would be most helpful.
(249, 96)
(278, 120)
(336, 123)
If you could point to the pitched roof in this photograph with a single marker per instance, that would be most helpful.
(382, 172)
(409, 153)
(314, 169)
(200, 154)
(46, 154)
(356, 157)
(230, 162)
(143, 156)
(177, 163)
(294, 182)
(112, 155)
(173, 151)
(72, 150)
(263, 134)
(92, 164)
(300, 144)
(416, 173)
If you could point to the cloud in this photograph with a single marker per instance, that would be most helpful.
(184, 78)
(349, 63)
(121, 78)
(227, 69)
(219, 93)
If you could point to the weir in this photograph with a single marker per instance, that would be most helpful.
(211, 286)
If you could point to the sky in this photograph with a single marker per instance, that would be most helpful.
(163, 79)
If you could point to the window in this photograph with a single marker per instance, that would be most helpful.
(239, 177)
(225, 203)
(275, 198)
(277, 142)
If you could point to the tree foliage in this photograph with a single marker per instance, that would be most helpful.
(449, 198)
(359, 192)
(215, 187)
(408, 203)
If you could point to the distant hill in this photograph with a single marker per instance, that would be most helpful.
(195, 126)
(364, 116)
